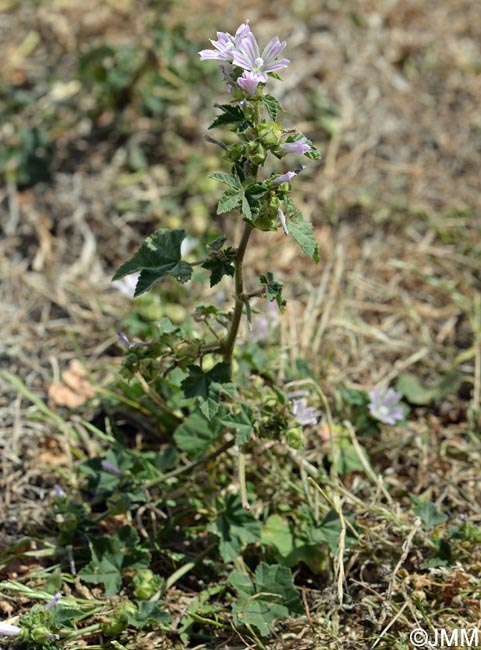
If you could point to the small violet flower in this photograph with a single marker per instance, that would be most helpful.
(261, 324)
(282, 219)
(111, 469)
(247, 55)
(9, 630)
(288, 176)
(225, 44)
(298, 146)
(248, 81)
(383, 405)
(304, 414)
(124, 339)
(54, 601)
(127, 285)
(58, 491)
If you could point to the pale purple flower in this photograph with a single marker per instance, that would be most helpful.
(298, 146)
(304, 414)
(261, 323)
(248, 81)
(9, 630)
(260, 329)
(127, 284)
(124, 339)
(54, 601)
(58, 491)
(247, 55)
(288, 176)
(282, 219)
(384, 405)
(111, 469)
(188, 245)
(225, 44)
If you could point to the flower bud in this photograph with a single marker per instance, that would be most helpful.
(119, 620)
(146, 584)
(265, 222)
(295, 438)
(235, 152)
(41, 634)
(270, 134)
(283, 188)
(256, 153)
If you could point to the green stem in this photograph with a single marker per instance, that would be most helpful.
(177, 575)
(242, 480)
(239, 294)
(191, 466)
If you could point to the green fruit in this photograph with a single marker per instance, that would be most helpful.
(235, 152)
(176, 313)
(41, 634)
(114, 627)
(295, 438)
(146, 584)
(256, 153)
(270, 134)
(149, 308)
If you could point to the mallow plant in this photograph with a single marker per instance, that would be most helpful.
(192, 374)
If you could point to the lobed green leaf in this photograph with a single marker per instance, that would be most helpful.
(273, 289)
(272, 106)
(230, 200)
(235, 528)
(158, 255)
(303, 233)
(220, 265)
(231, 115)
(274, 597)
(228, 179)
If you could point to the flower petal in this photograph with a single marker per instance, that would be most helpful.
(277, 65)
(241, 60)
(248, 46)
(273, 49)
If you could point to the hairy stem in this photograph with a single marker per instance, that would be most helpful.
(239, 294)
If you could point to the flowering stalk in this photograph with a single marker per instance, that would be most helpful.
(262, 200)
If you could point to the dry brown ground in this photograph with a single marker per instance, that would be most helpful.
(391, 93)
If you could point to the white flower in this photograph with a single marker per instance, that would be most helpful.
(300, 146)
(127, 284)
(282, 219)
(304, 414)
(9, 630)
(247, 55)
(384, 405)
(248, 81)
(225, 44)
(54, 601)
(111, 469)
